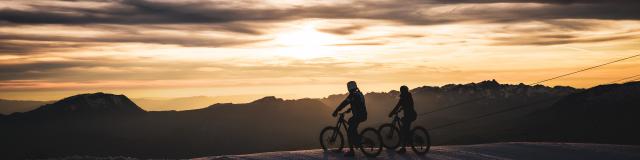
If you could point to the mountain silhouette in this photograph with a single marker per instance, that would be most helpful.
(96, 103)
(103, 124)
(603, 114)
(148, 104)
(268, 100)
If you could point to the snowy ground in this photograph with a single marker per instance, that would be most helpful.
(495, 151)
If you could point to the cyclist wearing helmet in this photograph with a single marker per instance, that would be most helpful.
(359, 114)
(406, 102)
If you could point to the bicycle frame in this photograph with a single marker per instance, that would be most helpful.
(341, 122)
(396, 122)
(415, 140)
(370, 145)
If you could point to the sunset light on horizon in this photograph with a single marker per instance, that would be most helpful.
(296, 49)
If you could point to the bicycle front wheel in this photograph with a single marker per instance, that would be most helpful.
(370, 142)
(420, 141)
(331, 138)
(390, 136)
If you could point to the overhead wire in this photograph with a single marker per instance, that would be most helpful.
(535, 83)
(516, 107)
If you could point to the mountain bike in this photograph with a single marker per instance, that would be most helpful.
(369, 143)
(390, 132)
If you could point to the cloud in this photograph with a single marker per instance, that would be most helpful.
(12, 47)
(409, 12)
(557, 39)
(390, 36)
(136, 12)
(138, 69)
(156, 22)
(341, 30)
(361, 44)
(536, 1)
(558, 32)
(25, 43)
(129, 73)
(409, 30)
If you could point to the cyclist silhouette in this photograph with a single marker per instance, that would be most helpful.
(406, 101)
(359, 114)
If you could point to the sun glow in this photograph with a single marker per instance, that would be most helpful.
(306, 42)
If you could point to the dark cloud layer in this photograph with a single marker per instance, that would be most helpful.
(556, 39)
(409, 11)
(126, 20)
(139, 69)
(138, 12)
(537, 1)
(166, 15)
(23, 48)
(22, 44)
(187, 41)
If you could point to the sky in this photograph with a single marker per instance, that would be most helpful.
(294, 49)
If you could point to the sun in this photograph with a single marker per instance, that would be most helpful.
(305, 36)
(306, 42)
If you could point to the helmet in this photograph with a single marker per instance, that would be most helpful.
(404, 89)
(351, 85)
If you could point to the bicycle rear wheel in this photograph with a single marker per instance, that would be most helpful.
(370, 142)
(420, 141)
(331, 138)
(390, 136)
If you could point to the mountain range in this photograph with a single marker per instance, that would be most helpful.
(148, 104)
(102, 124)
(602, 114)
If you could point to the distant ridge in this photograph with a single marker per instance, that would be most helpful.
(455, 92)
(93, 103)
(608, 113)
(499, 89)
(267, 99)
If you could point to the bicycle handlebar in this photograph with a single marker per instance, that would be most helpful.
(397, 112)
(345, 112)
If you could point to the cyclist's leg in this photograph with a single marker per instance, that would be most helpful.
(405, 131)
(352, 132)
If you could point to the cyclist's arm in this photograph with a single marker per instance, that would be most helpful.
(397, 108)
(344, 103)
